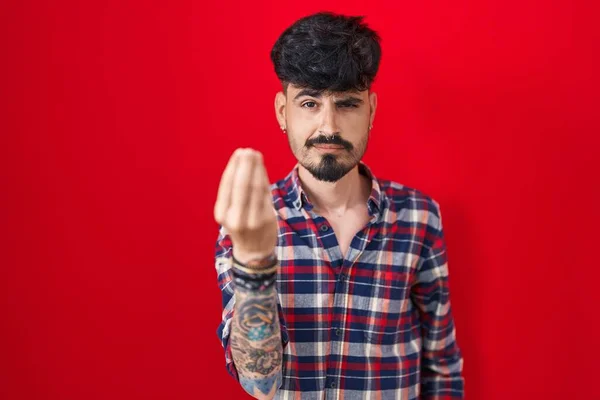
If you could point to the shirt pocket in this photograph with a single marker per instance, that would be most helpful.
(388, 306)
(383, 315)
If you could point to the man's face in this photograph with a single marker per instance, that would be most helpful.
(327, 132)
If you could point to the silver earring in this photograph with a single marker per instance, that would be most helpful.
(283, 128)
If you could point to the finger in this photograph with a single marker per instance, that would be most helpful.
(267, 202)
(240, 194)
(263, 174)
(266, 197)
(225, 186)
(257, 190)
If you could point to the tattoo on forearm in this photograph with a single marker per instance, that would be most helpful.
(257, 316)
(262, 361)
(256, 340)
(264, 384)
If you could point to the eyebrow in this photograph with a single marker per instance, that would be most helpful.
(347, 101)
(309, 92)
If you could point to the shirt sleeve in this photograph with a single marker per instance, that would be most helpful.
(442, 362)
(223, 263)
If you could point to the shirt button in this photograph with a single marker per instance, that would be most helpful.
(338, 331)
(332, 385)
(324, 228)
(342, 278)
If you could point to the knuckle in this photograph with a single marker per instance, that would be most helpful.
(253, 224)
(235, 224)
(218, 212)
(256, 185)
(233, 227)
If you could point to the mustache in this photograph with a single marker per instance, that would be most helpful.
(335, 140)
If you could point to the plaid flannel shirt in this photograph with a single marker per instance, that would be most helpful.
(375, 324)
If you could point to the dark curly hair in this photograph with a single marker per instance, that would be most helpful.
(329, 52)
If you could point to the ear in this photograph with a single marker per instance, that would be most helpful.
(280, 100)
(373, 104)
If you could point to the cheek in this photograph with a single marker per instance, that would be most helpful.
(358, 119)
(299, 132)
(296, 141)
(303, 120)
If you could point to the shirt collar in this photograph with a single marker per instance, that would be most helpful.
(298, 198)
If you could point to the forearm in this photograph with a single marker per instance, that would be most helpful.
(256, 341)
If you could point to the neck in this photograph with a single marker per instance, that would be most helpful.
(352, 190)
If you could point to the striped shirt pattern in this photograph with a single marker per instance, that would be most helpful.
(374, 324)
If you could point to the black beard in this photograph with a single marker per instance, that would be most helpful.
(329, 169)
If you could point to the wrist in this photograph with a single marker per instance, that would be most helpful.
(254, 260)
(249, 280)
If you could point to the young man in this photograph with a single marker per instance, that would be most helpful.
(334, 282)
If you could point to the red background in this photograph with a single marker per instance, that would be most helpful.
(118, 118)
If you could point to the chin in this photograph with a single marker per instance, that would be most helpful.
(328, 168)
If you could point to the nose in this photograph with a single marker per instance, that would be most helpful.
(329, 126)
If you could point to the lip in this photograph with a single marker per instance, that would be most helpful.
(329, 147)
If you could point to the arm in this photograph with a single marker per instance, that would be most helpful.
(250, 330)
(442, 362)
(256, 362)
(256, 344)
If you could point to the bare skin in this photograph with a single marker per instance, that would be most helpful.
(347, 222)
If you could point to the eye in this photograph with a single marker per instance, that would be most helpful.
(309, 104)
(348, 105)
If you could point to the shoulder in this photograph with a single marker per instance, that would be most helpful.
(410, 203)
